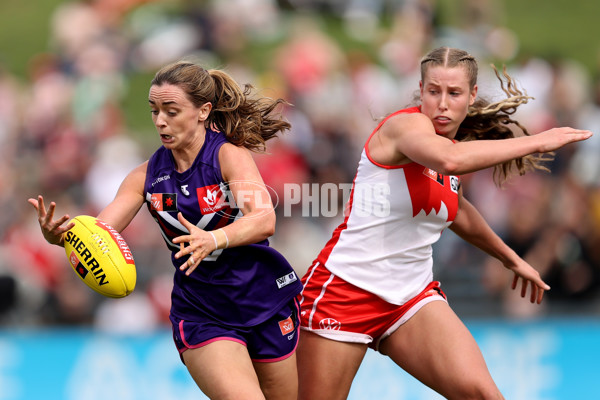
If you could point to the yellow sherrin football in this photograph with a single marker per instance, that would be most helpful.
(100, 257)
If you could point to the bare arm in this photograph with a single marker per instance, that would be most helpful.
(413, 137)
(251, 196)
(128, 200)
(117, 214)
(470, 226)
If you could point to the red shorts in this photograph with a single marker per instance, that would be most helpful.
(338, 310)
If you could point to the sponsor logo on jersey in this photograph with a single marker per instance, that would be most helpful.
(184, 190)
(211, 199)
(439, 178)
(163, 202)
(286, 280)
(286, 326)
(330, 323)
(436, 176)
(160, 179)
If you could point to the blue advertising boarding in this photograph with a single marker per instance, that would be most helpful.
(545, 360)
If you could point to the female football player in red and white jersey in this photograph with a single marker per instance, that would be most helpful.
(372, 284)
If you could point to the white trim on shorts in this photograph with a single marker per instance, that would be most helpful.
(408, 315)
(354, 337)
(340, 336)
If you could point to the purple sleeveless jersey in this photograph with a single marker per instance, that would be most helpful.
(238, 286)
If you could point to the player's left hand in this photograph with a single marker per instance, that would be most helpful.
(200, 244)
(529, 278)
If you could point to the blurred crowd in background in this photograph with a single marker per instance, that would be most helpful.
(64, 135)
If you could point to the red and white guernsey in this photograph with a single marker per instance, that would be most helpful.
(393, 216)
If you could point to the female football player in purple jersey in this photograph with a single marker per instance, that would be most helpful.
(233, 306)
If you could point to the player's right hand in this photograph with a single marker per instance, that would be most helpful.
(51, 229)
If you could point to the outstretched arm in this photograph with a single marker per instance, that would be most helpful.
(411, 137)
(128, 200)
(470, 226)
(118, 214)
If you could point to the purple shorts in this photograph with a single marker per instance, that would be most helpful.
(270, 341)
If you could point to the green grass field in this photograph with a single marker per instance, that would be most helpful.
(24, 31)
(567, 28)
(563, 28)
(548, 28)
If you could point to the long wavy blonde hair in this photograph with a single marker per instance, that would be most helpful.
(487, 120)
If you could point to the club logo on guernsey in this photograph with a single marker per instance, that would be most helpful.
(211, 199)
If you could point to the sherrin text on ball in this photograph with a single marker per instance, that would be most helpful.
(100, 257)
